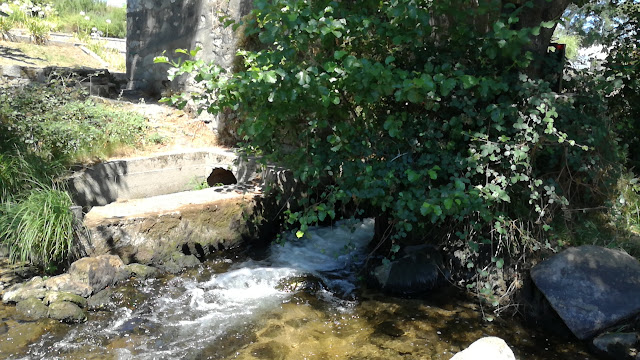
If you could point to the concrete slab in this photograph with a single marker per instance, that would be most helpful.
(165, 204)
(149, 230)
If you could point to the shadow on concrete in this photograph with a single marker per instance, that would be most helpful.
(17, 55)
(98, 185)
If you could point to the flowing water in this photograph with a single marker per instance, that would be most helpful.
(300, 300)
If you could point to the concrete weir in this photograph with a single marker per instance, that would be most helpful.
(140, 211)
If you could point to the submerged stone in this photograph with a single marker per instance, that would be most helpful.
(271, 350)
(389, 328)
(590, 287)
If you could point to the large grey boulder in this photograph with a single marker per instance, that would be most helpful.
(417, 269)
(590, 287)
(99, 271)
(487, 348)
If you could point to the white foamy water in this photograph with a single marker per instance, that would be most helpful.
(186, 315)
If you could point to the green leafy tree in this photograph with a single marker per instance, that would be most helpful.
(434, 117)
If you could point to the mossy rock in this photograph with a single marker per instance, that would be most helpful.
(54, 296)
(32, 308)
(67, 312)
(101, 301)
(141, 271)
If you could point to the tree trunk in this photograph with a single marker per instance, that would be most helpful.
(542, 10)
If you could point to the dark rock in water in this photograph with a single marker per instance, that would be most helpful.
(590, 287)
(417, 270)
(389, 328)
(306, 283)
(4, 328)
(135, 326)
(33, 308)
(272, 331)
(141, 271)
(490, 347)
(539, 313)
(67, 312)
(99, 271)
(101, 301)
(619, 346)
(178, 262)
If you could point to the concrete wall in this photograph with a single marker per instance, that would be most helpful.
(144, 177)
(154, 26)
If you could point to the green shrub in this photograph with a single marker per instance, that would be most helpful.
(39, 229)
(38, 30)
(6, 24)
(444, 131)
(59, 123)
(22, 172)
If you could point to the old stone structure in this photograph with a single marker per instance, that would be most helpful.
(155, 26)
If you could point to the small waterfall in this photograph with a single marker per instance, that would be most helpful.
(186, 314)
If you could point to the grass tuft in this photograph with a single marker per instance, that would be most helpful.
(39, 229)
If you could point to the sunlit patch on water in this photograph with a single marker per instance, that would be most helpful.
(299, 302)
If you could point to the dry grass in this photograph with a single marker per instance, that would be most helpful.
(14, 53)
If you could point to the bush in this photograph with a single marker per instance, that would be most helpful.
(435, 129)
(43, 128)
(38, 30)
(60, 123)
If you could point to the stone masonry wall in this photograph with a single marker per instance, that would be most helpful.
(154, 26)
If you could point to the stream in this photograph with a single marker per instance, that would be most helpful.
(300, 300)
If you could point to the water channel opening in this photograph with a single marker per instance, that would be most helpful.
(220, 176)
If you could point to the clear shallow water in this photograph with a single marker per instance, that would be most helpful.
(298, 301)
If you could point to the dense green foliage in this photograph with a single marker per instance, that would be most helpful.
(44, 128)
(60, 123)
(419, 114)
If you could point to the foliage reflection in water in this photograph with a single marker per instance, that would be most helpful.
(298, 302)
